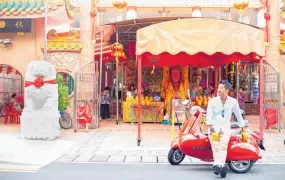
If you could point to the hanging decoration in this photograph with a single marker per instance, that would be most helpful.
(93, 12)
(175, 74)
(267, 17)
(282, 11)
(240, 5)
(282, 44)
(197, 90)
(231, 74)
(117, 50)
(120, 5)
(153, 70)
(255, 88)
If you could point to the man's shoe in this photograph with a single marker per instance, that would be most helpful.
(224, 171)
(217, 169)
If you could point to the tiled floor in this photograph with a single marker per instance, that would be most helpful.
(118, 143)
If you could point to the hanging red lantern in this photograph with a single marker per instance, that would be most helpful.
(93, 12)
(117, 50)
(267, 16)
(9, 70)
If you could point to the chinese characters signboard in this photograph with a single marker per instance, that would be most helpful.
(15, 25)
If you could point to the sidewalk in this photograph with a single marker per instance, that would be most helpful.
(111, 143)
(37, 153)
(118, 144)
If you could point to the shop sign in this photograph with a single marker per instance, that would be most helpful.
(15, 25)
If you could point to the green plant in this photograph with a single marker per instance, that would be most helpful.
(63, 101)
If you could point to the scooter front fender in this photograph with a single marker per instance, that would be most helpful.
(175, 143)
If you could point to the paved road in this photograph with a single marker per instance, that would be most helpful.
(86, 171)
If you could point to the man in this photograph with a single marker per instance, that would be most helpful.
(105, 103)
(219, 114)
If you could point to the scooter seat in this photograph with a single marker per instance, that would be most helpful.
(235, 125)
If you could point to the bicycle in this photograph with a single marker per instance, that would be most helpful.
(2, 109)
(65, 121)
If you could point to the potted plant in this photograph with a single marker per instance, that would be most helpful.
(65, 120)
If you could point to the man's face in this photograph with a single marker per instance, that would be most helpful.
(222, 91)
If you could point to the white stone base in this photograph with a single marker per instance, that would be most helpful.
(40, 125)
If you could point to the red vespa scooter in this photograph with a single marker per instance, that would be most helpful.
(192, 142)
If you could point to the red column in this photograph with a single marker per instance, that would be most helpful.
(261, 93)
(216, 75)
(139, 98)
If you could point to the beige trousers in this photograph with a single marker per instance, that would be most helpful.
(220, 149)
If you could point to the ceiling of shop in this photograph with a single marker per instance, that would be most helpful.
(127, 29)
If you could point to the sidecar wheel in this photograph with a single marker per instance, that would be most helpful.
(240, 166)
(175, 156)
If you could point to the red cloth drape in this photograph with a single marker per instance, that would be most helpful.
(271, 117)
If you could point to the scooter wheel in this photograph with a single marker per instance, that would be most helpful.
(240, 166)
(175, 156)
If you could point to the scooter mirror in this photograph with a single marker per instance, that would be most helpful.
(195, 109)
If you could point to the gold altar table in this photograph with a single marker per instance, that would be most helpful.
(150, 113)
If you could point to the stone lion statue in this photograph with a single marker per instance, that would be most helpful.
(41, 86)
(40, 118)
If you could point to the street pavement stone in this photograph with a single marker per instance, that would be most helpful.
(149, 159)
(67, 158)
(133, 159)
(136, 152)
(107, 148)
(187, 160)
(100, 158)
(162, 159)
(195, 160)
(279, 159)
(117, 159)
(83, 158)
(266, 160)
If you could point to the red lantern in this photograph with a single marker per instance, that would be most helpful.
(93, 12)
(117, 50)
(9, 70)
(267, 16)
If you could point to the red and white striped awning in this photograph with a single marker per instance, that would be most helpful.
(6, 69)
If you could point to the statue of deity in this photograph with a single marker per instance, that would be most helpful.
(175, 83)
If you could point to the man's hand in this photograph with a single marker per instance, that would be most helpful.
(244, 134)
(244, 129)
(214, 135)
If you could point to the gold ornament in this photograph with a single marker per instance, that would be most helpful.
(240, 5)
(120, 4)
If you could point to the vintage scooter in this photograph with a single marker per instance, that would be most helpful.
(193, 142)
